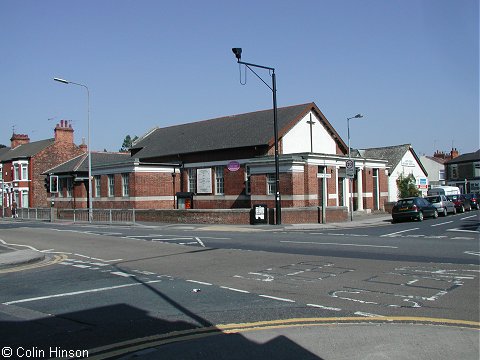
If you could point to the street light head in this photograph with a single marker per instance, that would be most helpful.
(238, 53)
(61, 80)
(358, 116)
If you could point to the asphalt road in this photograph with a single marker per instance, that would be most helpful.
(117, 290)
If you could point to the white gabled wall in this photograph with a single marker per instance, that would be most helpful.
(297, 139)
(408, 165)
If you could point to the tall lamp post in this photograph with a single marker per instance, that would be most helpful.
(89, 153)
(278, 206)
(350, 183)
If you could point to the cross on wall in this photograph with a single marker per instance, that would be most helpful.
(311, 123)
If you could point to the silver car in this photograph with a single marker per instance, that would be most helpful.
(443, 205)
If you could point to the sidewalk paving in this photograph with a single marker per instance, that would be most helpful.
(10, 257)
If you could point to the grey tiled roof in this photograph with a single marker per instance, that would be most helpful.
(79, 164)
(229, 132)
(393, 154)
(3, 152)
(468, 157)
(26, 150)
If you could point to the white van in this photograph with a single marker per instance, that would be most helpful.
(444, 190)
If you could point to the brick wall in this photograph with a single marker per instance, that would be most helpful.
(240, 216)
(51, 156)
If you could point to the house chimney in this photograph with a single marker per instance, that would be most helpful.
(64, 132)
(18, 139)
(83, 146)
(453, 153)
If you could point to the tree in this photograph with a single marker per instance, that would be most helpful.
(127, 143)
(407, 186)
(2, 146)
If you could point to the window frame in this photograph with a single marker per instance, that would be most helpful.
(271, 184)
(98, 185)
(219, 180)
(192, 180)
(111, 185)
(125, 184)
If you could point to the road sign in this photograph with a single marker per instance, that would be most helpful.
(350, 168)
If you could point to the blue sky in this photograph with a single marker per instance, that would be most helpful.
(410, 66)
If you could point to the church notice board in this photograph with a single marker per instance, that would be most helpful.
(204, 181)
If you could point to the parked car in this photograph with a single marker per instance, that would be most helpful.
(444, 190)
(461, 202)
(413, 208)
(474, 200)
(443, 205)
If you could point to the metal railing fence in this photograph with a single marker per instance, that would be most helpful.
(108, 216)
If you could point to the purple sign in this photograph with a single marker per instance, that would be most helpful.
(233, 165)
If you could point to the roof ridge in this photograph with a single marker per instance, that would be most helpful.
(231, 116)
(387, 147)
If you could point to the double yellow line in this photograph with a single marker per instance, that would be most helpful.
(134, 345)
(56, 259)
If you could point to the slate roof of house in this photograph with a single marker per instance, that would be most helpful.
(468, 157)
(3, 151)
(26, 150)
(393, 154)
(229, 132)
(436, 159)
(99, 159)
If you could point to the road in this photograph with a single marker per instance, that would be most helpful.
(117, 290)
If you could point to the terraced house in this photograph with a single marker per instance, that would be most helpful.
(23, 163)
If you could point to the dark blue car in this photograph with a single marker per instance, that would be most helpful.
(414, 208)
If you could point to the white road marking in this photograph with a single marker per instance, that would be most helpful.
(77, 293)
(199, 282)
(339, 244)
(324, 307)
(27, 246)
(215, 238)
(121, 273)
(476, 253)
(139, 236)
(81, 266)
(237, 290)
(277, 298)
(462, 230)
(173, 239)
(446, 222)
(399, 232)
(200, 241)
(468, 217)
(367, 314)
(89, 257)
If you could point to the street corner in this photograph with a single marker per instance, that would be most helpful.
(18, 260)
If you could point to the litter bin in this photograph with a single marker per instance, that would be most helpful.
(259, 215)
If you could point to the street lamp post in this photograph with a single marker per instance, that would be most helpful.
(273, 88)
(350, 183)
(89, 153)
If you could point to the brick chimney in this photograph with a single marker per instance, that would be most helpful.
(83, 146)
(453, 153)
(18, 139)
(64, 132)
(439, 155)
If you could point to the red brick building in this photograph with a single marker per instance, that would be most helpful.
(23, 163)
(228, 163)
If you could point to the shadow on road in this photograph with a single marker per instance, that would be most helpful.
(115, 331)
